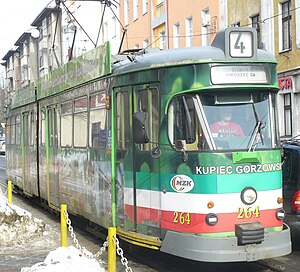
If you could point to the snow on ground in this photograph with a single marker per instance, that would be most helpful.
(65, 259)
(18, 227)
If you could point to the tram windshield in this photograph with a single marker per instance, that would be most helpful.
(223, 121)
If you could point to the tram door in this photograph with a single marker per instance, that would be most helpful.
(136, 169)
(125, 187)
(146, 168)
(52, 156)
(26, 155)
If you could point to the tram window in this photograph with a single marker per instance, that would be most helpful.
(182, 122)
(97, 125)
(18, 129)
(8, 131)
(122, 121)
(26, 128)
(43, 127)
(80, 122)
(13, 130)
(147, 101)
(66, 124)
(32, 128)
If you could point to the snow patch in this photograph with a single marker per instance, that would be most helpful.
(17, 226)
(65, 259)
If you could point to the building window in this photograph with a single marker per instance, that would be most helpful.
(162, 40)
(145, 43)
(176, 36)
(135, 9)
(114, 28)
(24, 73)
(255, 22)
(126, 12)
(189, 31)
(287, 115)
(145, 6)
(286, 26)
(105, 30)
(205, 18)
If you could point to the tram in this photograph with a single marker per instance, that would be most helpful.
(139, 140)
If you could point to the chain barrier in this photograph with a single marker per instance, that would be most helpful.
(83, 250)
(120, 253)
(89, 255)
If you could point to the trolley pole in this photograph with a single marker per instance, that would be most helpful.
(9, 192)
(112, 258)
(63, 225)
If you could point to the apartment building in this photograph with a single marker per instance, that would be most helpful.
(170, 24)
(58, 34)
(278, 29)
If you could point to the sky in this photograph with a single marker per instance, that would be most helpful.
(16, 17)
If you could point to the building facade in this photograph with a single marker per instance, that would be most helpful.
(170, 24)
(135, 24)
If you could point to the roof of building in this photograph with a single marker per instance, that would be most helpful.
(44, 13)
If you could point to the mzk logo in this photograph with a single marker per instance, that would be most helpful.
(182, 184)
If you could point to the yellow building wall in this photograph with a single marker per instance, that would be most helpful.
(241, 11)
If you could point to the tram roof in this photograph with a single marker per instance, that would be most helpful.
(181, 56)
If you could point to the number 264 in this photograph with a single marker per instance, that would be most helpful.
(182, 218)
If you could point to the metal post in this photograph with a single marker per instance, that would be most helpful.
(9, 192)
(112, 254)
(63, 225)
(112, 258)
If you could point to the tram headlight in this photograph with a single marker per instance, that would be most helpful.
(280, 214)
(211, 219)
(248, 195)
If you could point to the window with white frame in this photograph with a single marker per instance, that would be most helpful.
(287, 115)
(135, 9)
(114, 28)
(176, 35)
(189, 31)
(162, 40)
(286, 25)
(145, 6)
(105, 30)
(205, 18)
(126, 12)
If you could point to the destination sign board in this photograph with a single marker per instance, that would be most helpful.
(234, 74)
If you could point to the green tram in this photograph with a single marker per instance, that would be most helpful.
(139, 141)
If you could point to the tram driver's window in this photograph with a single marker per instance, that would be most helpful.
(182, 123)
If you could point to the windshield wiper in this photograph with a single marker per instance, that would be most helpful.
(257, 130)
(259, 126)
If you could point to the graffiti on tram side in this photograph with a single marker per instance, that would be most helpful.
(239, 169)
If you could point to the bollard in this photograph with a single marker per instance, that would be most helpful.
(9, 192)
(63, 225)
(112, 258)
